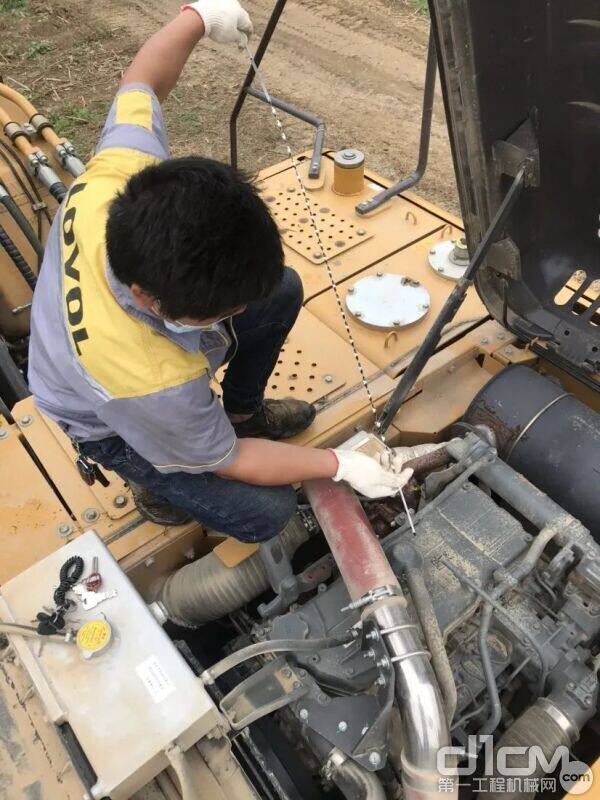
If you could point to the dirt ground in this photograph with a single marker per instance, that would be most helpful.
(359, 66)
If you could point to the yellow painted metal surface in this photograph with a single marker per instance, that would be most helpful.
(396, 225)
(388, 349)
(30, 511)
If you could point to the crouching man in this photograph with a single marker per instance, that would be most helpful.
(157, 271)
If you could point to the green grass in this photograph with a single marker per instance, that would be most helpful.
(11, 5)
(421, 6)
(73, 122)
(38, 49)
(189, 119)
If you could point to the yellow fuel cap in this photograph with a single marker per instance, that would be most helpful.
(94, 637)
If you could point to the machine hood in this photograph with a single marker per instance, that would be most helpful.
(521, 80)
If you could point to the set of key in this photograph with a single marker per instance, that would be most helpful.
(88, 590)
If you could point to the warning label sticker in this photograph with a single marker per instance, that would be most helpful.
(155, 679)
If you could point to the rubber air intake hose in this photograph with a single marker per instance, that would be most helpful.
(547, 434)
(534, 727)
(207, 590)
(16, 257)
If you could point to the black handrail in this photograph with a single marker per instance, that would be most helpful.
(288, 108)
(406, 183)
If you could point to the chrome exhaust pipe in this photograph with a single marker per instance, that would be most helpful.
(373, 585)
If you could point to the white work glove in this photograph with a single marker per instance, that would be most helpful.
(225, 21)
(367, 475)
(395, 457)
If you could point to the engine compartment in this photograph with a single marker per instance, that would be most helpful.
(477, 538)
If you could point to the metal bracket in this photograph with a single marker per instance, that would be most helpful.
(521, 146)
(317, 573)
(275, 685)
(505, 257)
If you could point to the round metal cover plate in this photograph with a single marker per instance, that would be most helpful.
(386, 301)
(439, 260)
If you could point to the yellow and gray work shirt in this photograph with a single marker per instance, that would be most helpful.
(98, 365)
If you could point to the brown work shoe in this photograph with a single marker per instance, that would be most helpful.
(157, 509)
(277, 419)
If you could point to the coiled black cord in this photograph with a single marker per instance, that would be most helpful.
(15, 255)
(70, 572)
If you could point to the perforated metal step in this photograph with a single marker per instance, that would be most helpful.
(337, 233)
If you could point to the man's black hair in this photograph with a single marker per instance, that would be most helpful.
(195, 234)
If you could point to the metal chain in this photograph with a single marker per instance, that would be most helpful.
(315, 227)
(324, 256)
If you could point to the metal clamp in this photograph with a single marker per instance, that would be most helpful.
(412, 654)
(394, 628)
(371, 597)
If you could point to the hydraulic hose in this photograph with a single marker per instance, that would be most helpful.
(21, 220)
(17, 258)
(272, 646)
(64, 151)
(18, 99)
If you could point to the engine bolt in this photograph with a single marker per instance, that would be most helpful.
(26, 420)
(64, 529)
(570, 685)
(370, 653)
(120, 501)
(303, 713)
(374, 635)
(381, 681)
(342, 726)
(588, 700)
(360, 231)
(349, 671)
(383, 663)
(3, 433)
(322, 587)
(375, 759)
(91, 515)
(328, 378)
(485, 340)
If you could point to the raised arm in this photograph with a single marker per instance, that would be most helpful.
(162, 58)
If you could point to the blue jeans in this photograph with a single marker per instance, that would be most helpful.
(247, 512)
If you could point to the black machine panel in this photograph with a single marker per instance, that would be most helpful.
(521, 78)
